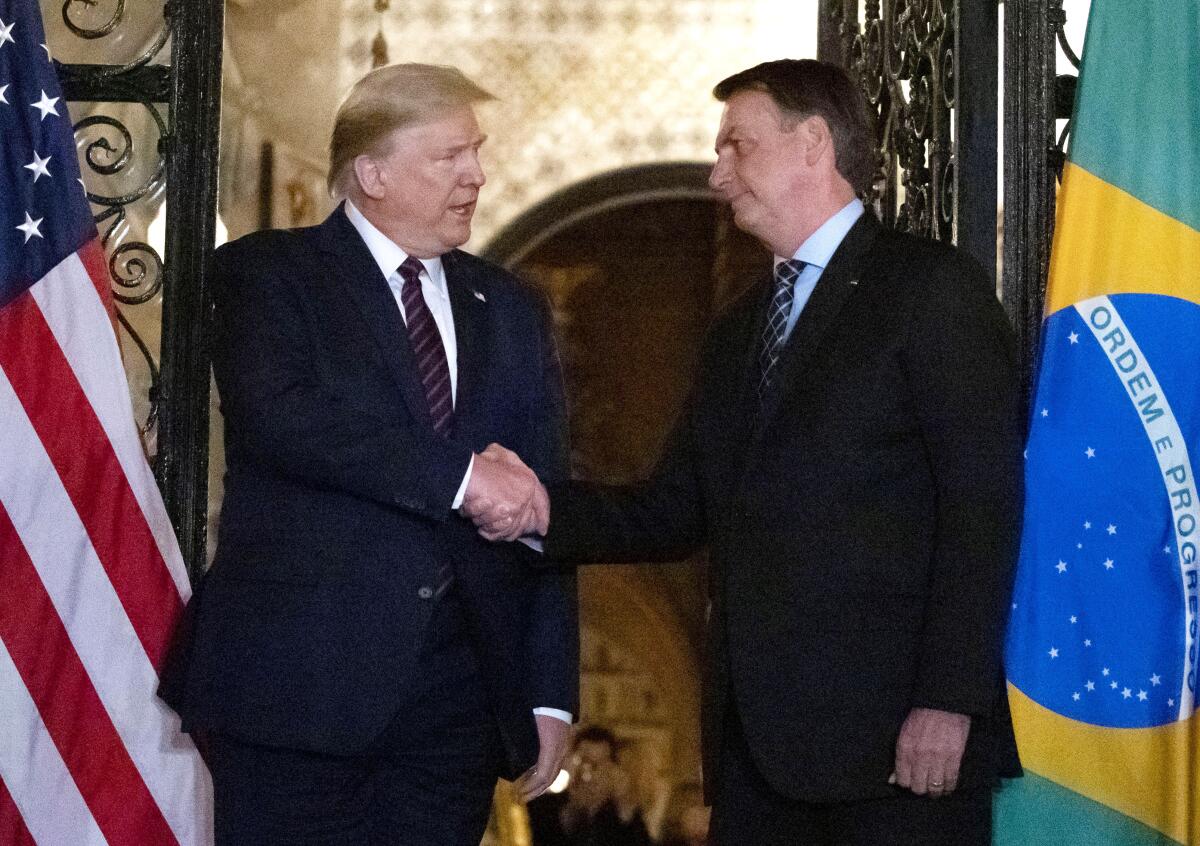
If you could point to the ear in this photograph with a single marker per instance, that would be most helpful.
(371, 180)
(816, 139)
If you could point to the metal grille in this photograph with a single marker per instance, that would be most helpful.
(150, 132)
(935, 106)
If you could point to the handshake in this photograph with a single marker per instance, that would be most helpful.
(504, 498)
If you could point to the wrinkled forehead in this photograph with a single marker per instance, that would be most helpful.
(451, 127)
(747, 111)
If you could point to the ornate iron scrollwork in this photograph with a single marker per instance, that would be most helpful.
(903, 53)
(1064, 86)
(91, 32)
(112, 152)
(130, 261)
(121, 169)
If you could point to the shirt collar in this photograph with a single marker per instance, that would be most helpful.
(820, 246)
(388, 255)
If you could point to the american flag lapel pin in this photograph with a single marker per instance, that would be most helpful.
(479, 296)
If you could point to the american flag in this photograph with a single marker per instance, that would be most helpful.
(91, 578)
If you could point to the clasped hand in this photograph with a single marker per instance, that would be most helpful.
(504, 498)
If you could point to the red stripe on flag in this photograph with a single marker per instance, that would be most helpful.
(81, 453)
(71, 709)
(96, 262)
(12, 828)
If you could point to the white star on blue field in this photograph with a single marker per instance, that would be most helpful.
(1097, 626)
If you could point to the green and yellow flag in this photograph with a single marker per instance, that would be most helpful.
(1102, 651)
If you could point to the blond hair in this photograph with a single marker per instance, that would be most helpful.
(387, 99)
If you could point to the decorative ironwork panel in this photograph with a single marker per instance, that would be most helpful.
(928, 69)
(1036, 96)
(147, 134)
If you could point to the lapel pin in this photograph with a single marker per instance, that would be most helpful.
(479, 296)
(853, 281)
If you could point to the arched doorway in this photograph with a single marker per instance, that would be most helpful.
(635, 264)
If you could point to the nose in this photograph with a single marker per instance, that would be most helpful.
(719, 175)
(474, 174)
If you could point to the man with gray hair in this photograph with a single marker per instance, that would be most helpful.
(362, 665)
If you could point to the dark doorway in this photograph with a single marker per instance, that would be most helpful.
(635, 263)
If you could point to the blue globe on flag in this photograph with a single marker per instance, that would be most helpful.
(1103, 621)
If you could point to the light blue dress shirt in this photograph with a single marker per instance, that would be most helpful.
(816, 252)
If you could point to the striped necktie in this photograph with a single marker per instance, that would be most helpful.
(775, 330)
(427, 348)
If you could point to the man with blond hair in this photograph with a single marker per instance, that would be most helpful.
(362, 665)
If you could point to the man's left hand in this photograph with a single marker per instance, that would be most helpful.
(930, 750)
(553, 735)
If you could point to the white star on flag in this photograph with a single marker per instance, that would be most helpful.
(1112, 530)
(1091, 453)
(45, 105)
(1156, 679)
(1087, 524)
(30, 227)
(1091, 685)
(38, 166)
(1087, 642)
(1045, 412)
(1167, 550)
(1108, 564)
(1170, 703)
(1141, 696)
(1113, 685)
(1126, 693)
(1074, 619)
(1074, 336)
(1053, 653)
(1105, 671)
(1075, 696)
(6, 32)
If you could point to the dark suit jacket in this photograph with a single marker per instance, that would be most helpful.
(862, 529)
(336, 534)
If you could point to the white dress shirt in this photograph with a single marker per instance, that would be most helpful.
(389, 257)
(815, 252)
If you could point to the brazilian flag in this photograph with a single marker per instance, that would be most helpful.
(1102, 645)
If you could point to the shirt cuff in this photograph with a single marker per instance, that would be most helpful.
(565, 716)
(462, 489)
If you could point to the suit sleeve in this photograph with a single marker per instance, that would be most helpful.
(553, 636)
(279, 412)
(961, 363)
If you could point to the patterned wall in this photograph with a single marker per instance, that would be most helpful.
(586, 85)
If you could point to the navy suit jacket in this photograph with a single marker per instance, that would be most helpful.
(336, 535)
(862, 527)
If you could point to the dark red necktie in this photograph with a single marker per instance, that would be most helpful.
(428, 351)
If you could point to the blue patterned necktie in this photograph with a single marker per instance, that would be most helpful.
(775, 330)
(428, 351)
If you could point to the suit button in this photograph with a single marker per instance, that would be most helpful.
(425, 592)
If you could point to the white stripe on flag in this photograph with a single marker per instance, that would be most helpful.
(80, 323)
(104, 639)
(34, 772)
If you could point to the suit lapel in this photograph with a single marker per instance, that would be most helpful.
(836, 285)
(351, 263)
(470, 309)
